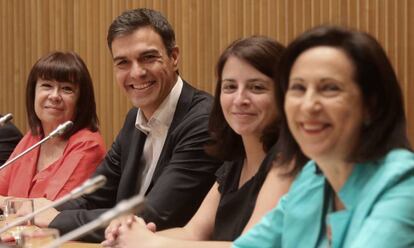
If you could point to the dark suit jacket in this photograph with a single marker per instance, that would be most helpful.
(183, 176)
(9, 137)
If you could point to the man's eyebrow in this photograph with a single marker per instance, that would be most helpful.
(150, 51)
(147, 52)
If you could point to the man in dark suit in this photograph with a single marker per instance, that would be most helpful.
(159, 150)
(9, 137)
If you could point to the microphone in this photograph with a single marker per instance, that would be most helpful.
(5, 119)
(62, 128)
(130, 205)
(87, 187)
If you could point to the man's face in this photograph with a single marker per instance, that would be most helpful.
(143, 68)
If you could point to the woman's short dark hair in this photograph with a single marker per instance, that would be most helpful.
(63, 67)
(385, 126)
(131, 20)
(263, 54)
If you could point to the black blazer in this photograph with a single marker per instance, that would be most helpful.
(183, 176)
(9, 137)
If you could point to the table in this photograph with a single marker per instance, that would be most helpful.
(80, 245)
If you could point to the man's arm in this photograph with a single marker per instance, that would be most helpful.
(9, 137)
(183, 183)
(78, 212)
(105, 197)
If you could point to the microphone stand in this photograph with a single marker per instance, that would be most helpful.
(87, 187)
(58, 131)
(133, 204)
(5, 119)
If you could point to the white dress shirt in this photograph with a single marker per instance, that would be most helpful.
(156, 129)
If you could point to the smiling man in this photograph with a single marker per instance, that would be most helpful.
(159, 150)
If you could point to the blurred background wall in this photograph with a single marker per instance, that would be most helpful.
(31, 28)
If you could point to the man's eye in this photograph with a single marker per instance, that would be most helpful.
(149, 58)
(121, 63)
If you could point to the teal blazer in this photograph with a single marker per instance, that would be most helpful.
(379, 209)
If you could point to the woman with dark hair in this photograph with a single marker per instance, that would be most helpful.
(341, 105)
(59, 88)
(244, 127)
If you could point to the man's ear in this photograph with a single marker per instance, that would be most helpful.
(175, 54)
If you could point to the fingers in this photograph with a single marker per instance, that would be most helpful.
(41, 202)
(112, 231)
(108, 243)
(152, 227)
(129, 220)
(25, 208)
(44, 219)
(7, 237)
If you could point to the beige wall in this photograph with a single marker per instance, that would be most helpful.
(31, 28)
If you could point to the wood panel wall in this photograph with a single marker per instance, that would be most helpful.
(31, 28)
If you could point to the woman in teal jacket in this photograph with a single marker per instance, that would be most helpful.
(342, 107)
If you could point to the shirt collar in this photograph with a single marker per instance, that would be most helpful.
(164, 114)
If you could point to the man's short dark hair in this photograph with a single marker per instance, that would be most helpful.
(131, 20)
(385, 127)
(63, 67)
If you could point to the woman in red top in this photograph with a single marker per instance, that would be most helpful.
(59, 89)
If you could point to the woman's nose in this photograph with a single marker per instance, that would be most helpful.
(311, 102)
(54, 95)
(241, 97)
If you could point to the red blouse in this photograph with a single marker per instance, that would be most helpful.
(83, 153)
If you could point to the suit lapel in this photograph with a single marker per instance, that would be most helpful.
(132, 173)
(183, 106)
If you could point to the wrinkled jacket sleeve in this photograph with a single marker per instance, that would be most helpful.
(182, 184)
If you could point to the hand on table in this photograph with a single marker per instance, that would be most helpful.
(43, 219)
(113, 230)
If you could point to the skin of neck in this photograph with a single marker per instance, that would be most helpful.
(47, 129)
(336, 171)
(150, 111)
(254, 152)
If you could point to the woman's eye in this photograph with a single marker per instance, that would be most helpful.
(227, 87)
(67, 89)
(330, 87)
(45, 85)
(258, 88)
(296, 87)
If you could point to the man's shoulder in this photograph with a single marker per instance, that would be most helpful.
(196, 101)
(10, 132)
